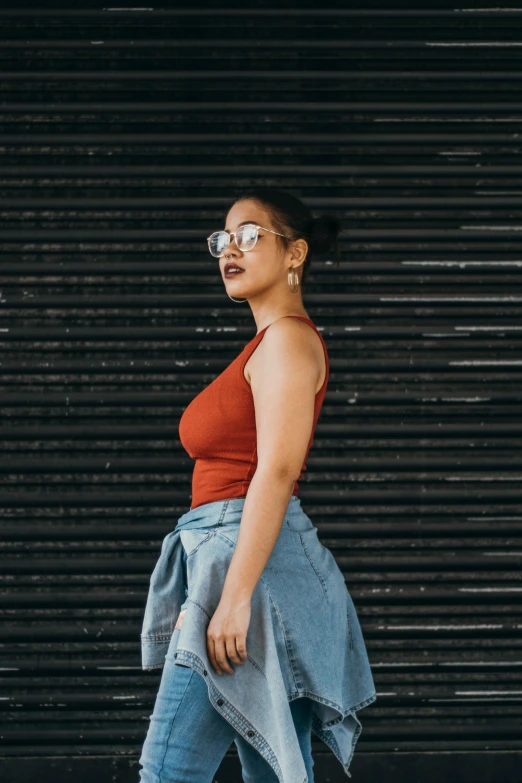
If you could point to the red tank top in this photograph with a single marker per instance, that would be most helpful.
(221, 436)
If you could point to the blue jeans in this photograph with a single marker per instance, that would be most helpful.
(188, 738)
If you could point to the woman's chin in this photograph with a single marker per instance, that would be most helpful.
(236, 290)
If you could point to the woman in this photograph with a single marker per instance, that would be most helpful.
(248, 613)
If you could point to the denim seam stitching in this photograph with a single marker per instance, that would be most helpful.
(256, 666)
(223, 512)
(313, 566)
(327, 702)
(288, 646)
(193, 551)
(328, 738)
(350, 638)
(223, 535)
(193, 601)
(161, 637)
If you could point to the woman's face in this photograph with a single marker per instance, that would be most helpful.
(266, 265)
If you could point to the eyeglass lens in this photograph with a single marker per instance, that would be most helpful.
(246, 237)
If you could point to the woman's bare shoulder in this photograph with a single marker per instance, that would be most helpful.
(283, 340)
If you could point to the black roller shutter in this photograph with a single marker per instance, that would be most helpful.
(123, 135)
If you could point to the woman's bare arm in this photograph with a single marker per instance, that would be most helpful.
(283, 387)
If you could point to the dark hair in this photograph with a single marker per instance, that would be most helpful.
(291, 216)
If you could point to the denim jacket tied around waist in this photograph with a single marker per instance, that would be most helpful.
(304, 637)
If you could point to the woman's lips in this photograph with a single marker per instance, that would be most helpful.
(233, 274)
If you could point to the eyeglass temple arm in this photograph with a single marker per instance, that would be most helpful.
(233, 233)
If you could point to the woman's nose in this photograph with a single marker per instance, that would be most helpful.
(232, 245)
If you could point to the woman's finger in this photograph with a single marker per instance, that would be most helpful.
(241, 648)
(212, 654)
(233, 650)
(221, 656)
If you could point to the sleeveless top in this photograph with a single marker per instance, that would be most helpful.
(218, 430)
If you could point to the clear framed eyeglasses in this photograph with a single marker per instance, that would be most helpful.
(246, 238)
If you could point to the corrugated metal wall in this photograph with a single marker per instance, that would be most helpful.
(123, 135)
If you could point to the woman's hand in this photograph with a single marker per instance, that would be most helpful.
(227, 632)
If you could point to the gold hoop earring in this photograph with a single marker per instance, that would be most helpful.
(293, 280)
(237, 300)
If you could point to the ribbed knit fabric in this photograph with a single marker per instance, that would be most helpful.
(218, 430)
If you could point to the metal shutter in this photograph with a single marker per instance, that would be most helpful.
(123, 135)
